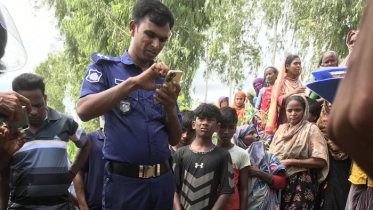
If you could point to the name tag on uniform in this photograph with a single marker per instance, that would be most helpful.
(118, 81)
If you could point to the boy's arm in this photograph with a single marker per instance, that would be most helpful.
(226, 182)
(177, 174)
(244, 179)
(80, 190)
(177, 205)
(220, 203)
(4, 188)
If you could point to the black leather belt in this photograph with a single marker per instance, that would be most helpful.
(138, 171)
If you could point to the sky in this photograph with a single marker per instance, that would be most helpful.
(40, 36)
(37, 28)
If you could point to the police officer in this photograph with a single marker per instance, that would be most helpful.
(137, 129)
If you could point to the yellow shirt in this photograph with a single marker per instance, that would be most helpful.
(358, 176)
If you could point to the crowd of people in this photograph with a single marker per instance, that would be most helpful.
(273, 150)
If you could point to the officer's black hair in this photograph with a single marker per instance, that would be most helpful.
(157, 12)
(187, 118)
(314, 107)
(28, 81)
(205, 110)
(228, 115)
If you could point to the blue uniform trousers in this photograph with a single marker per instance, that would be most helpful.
(128, 193)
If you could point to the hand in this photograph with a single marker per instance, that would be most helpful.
(11, 144)
(167, 96)
(254, 170)
(299, 90)
(11, 105)
(287, 162)
(146, 80)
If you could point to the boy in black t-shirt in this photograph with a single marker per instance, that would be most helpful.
(201, 167)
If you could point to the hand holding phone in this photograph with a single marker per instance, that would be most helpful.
(20, 124)
(172, 76)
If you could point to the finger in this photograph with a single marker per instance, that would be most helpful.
(158, 99)
(164, 69)
(24, 101)
(177, 87)
(161, 94)
(18, 112)
(158, 86)
(167, 89)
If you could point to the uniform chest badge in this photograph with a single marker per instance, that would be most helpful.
(125, 106)
(93, 76)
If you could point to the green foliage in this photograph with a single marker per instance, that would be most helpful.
(71, 149)
(231, 47)
(324, 24)
(55, 81)
(102, 25)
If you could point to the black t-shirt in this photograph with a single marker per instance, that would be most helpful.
(199, 174)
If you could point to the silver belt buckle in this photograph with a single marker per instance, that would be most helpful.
(147, 171)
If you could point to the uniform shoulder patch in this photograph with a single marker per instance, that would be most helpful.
(93, 76)
(97, 57)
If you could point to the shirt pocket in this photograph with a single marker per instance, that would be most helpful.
(158, 113)
(129, 106)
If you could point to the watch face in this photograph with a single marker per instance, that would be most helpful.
(125, 106)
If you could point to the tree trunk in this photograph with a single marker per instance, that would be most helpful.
(274, 43)
(230, 84)
(207, 71)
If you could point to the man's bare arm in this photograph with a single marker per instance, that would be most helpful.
(80, 190)
(222, 200)
(80, 157)
(350, 121)
(94, 105)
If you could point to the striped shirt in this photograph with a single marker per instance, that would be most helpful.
(39, 170)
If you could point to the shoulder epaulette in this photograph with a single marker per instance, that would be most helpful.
(98, 57)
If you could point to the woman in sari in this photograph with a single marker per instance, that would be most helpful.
(257, 84)
(334, 190)
(266, 171)
(264, 97)
(302, 149)
(328, 59)
(223, 102)
(287, 84)
(350, 42)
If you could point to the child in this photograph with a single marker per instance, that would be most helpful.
(266, 171)
(188, 132)
(240, 159)
(239, 104)
(201, 167)
(315, 109)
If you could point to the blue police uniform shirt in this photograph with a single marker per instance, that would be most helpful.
(135, 129)
(93, 171)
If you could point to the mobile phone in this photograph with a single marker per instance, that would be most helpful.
(172, 75)
(20, 124)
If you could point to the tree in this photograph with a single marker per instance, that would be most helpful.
(231, 48)
(323, 24)
(98, 25)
